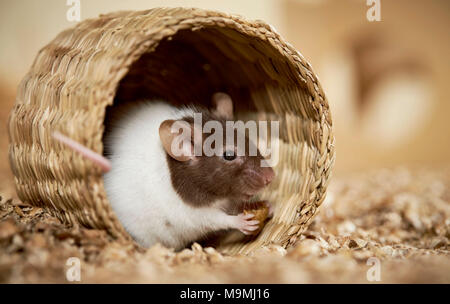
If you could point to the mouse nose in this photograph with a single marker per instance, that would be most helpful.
(268, 175)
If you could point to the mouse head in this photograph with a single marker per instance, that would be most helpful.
(233, 172)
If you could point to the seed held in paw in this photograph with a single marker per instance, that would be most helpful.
(261, 212)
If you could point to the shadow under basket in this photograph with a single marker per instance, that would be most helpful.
(182, 56)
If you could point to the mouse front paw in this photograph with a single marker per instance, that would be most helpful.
(246, 224)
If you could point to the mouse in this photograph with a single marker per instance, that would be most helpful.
(177, 196)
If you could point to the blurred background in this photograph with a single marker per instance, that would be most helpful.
(386, 81)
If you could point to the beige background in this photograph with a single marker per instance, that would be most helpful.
(406, 120)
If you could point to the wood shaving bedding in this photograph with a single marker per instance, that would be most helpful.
(399, 217)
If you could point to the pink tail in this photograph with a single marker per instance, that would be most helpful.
(98, 159)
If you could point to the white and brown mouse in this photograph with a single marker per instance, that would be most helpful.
(176, 199)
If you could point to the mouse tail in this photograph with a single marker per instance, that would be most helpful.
(96, 158)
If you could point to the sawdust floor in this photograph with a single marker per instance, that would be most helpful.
(399, 216)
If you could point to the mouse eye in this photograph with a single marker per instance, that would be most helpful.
(229, 155)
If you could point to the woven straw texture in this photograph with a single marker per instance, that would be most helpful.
(181, 55)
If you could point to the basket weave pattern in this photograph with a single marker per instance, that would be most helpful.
(181, 55)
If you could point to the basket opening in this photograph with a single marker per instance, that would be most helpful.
(192, 65)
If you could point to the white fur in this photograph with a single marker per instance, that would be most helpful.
(139, 187)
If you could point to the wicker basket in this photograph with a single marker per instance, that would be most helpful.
(180, 55)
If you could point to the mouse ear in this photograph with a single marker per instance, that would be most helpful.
(223, 105)
(177, 144)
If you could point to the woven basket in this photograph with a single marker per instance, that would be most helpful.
(181, 55)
